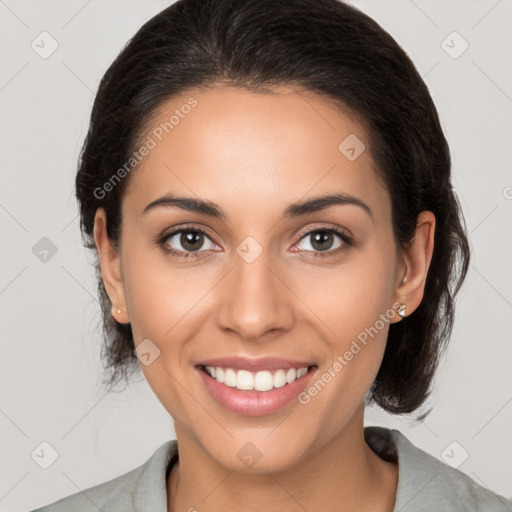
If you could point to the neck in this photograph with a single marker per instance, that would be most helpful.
(343, 474)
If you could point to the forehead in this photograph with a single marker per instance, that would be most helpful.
(252, 151)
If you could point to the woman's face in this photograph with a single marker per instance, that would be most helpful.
(268, 285)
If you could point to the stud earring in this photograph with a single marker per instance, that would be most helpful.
(119, 311)
(401, 311)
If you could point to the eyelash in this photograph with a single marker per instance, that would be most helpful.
(347, 241)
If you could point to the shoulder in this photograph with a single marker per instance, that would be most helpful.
(425, 483)
(141, 488)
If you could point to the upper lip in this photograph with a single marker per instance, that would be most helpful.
(255, 364)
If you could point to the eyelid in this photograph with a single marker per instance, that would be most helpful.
(185, 227)
(325, 227)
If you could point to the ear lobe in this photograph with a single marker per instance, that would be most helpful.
(110, 264)
(416, 259)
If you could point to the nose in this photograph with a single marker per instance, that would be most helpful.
(256, 300)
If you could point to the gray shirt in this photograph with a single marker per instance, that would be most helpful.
(425, 484)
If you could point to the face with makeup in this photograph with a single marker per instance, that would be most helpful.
(281, 256)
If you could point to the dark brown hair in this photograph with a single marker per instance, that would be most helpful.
(323, 46)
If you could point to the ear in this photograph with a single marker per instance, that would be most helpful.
(416, 262)
(110, 263)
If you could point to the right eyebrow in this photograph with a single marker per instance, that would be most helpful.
(191, 204)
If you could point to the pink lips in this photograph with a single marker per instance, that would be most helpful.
(255, 403)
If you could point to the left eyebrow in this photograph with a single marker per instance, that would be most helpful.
(294, 210)
(321, 203)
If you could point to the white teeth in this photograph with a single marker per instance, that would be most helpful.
(230, 378)
(259, 381)
(263, 381)
(279, 379)
(291, 375)
(244, 380)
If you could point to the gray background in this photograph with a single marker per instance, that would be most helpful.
(50, 374)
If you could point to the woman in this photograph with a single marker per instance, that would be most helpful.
(267, 187)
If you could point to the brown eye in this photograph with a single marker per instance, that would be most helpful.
(324, 240)
(186, 241)
(191, 240)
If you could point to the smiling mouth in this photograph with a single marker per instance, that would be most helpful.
(264, 380)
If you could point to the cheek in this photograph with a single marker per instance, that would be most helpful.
(163, 304)
(163, 297)
(354, 304)
(159, 302)
(166, 303)
(351, 297)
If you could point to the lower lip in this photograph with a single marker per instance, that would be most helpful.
(255, 403)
